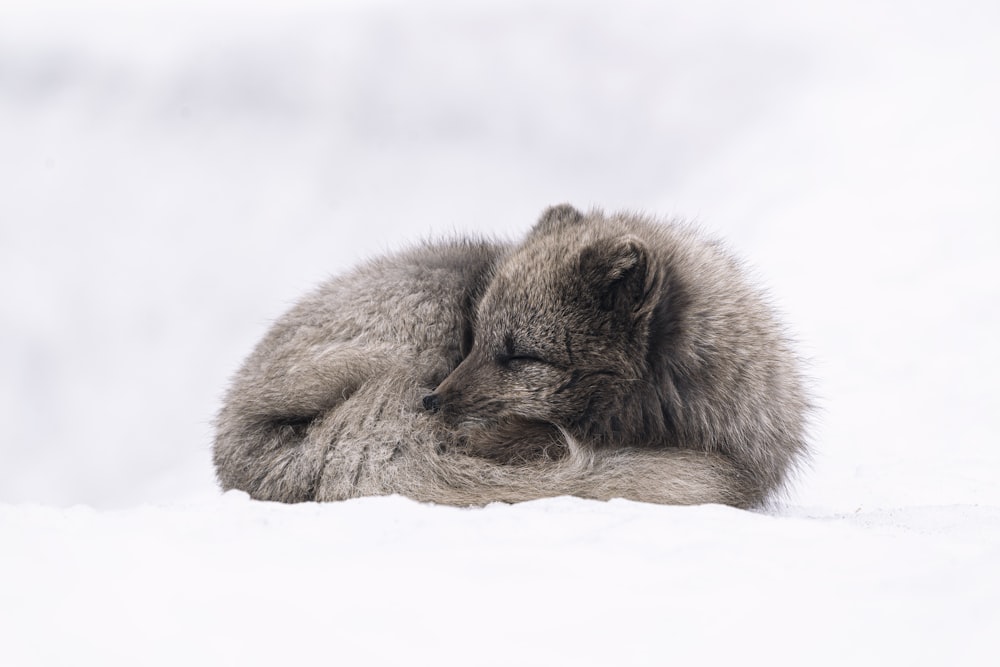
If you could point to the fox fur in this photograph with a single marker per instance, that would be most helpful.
(604, 356)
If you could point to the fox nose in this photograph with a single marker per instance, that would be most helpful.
(432, 402)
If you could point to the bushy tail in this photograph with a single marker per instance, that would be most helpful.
(665, 476)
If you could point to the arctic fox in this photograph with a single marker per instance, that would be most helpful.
(605, 356)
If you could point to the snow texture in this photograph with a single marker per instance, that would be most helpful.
(175, 175)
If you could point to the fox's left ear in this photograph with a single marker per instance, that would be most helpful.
(555, 217)
(617, 273)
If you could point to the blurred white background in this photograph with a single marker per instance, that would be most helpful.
(174, 175)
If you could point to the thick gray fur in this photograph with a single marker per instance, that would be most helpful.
(605, 356)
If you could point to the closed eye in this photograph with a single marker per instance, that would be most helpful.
(519, 360)
(510, 357)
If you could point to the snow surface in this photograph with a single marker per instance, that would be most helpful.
(175, 176)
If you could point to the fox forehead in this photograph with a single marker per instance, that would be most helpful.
(554, 327)
(520, 317)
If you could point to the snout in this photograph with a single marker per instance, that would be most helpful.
(432, 402)
(450, 398)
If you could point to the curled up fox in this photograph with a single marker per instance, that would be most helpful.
(604, 356)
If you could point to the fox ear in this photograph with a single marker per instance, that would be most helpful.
(556, 216)
(616, 272)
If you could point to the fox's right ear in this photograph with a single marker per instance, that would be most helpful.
(556, 216)
(616, 271)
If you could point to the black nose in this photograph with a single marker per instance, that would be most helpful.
(432, 402)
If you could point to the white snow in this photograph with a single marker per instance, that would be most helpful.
(175, 175)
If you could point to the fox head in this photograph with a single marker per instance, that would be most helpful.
(561, 331)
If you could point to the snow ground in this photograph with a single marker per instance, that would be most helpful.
(174, 177)
(562, 581)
